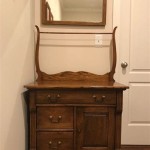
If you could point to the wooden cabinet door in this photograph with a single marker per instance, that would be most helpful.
(95, 128)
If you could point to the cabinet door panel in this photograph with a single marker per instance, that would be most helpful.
(95, 128)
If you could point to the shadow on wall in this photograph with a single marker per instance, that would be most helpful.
(17, 69)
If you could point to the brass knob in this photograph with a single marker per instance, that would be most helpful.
(103, 97)
(53, 98)
(50, 117)
(79, 131)
(59, 142)
(94, 96)
(55, 119)
(58, 95)
(50, 143)
(48, 96)
(99, 100)
(59, 117)
(124, 64)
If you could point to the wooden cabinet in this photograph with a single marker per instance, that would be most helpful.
(67, 118)
(75, 110)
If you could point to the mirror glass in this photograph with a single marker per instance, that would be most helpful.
(76, 12)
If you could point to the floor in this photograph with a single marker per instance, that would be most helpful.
(135, 148)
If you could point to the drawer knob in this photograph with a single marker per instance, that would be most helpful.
(59, 142)
(103, 97)
(59, 117)
(55, 119)
(94, 96)
(53, 98)
(58, 96)
(50, 142)
(54, 145)
(99, 100)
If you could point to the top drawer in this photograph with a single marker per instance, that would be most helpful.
(76, 97)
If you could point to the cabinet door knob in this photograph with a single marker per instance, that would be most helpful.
(78, 131)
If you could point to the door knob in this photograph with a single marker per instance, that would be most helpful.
(124, 64)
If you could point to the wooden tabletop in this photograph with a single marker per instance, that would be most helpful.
(75, 85)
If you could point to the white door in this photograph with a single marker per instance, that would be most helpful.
(133, 43)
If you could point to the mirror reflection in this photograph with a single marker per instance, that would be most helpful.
(75, 11)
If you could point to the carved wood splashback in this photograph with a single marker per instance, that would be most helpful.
(75, 76)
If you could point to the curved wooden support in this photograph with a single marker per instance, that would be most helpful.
(112, 72)
(37, 65)
(75, 76)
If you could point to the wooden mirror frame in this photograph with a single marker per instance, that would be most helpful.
(75, 76)
(45, 6)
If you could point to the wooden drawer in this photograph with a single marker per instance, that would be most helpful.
(76, 97)
(55, 117)
(55, 140)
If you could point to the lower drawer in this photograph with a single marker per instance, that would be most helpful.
(54, 140)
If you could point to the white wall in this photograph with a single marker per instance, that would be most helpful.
(0, 80)
(16, 69)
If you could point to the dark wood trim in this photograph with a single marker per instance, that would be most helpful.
(75, 129)
(135, 147)
(104, 12)
(32, 109)
(114, 56)
(43, 11)
(118, 119)
(37, 66)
